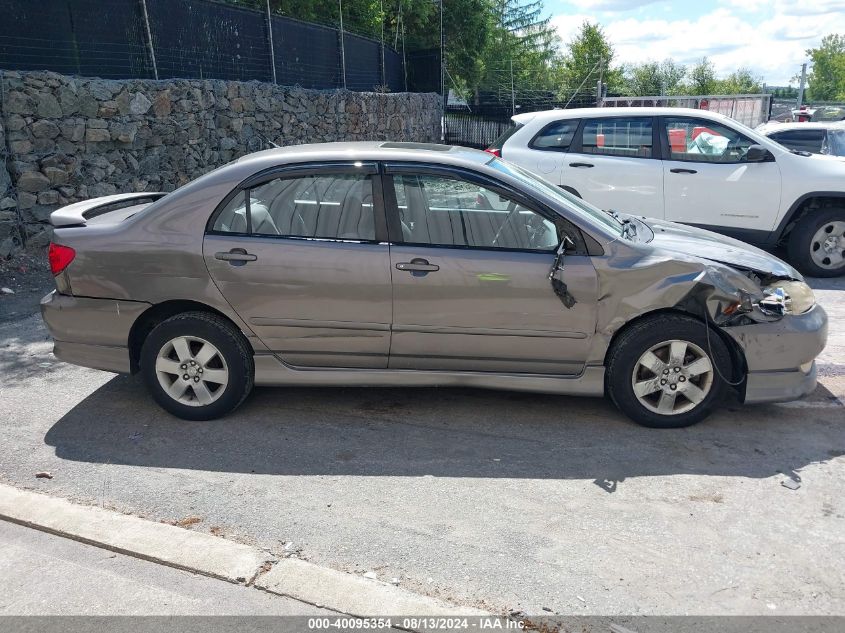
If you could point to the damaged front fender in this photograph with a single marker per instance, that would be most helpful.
(632, 285)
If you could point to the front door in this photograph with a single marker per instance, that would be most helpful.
(613, 164)
(707, 182)
(470, 264)
(302, 258)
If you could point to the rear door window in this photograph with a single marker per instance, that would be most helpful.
(322, 206)
(628, 137)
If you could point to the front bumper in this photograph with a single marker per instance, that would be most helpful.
(780, 355)
(91, 332)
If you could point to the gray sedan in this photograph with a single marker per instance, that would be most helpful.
(400, 264)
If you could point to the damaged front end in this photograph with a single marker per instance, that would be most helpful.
(775, 328)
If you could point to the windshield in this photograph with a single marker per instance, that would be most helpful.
(561, 195)
(836, 142)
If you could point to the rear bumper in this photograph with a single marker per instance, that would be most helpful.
(91, 332)
(780, 355)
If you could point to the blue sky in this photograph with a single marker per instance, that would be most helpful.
(768, 36)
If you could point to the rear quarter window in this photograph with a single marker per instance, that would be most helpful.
(555, 136)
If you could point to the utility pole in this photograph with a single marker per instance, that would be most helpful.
(801, 87)
(342, 44)
(513, 97)
(599, 99)
(272, 50)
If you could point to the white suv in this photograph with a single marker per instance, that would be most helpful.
(691, 166)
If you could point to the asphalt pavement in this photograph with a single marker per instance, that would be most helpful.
(498, 500)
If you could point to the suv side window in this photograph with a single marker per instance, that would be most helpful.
(803, 140)
(555, 136)
(446, 211)
(629, 137)
(703, 141)
(326, 206)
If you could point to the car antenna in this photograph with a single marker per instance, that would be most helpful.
(267, 140)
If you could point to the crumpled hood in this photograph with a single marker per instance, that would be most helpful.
(689, 240)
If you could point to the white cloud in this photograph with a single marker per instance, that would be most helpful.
(772, 44)
(614, 5)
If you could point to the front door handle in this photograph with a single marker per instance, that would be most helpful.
(417, 265)
(581, 165)
(236, 257)
(678, 170)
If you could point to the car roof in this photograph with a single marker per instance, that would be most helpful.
(370, 150)
(577, 113)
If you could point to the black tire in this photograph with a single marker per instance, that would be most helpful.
(233, 350)
(640, 337)
(801, 244)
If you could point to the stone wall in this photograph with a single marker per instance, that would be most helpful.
(72, 138)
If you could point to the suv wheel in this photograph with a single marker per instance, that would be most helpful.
(817, 243)
(662, 371)
(197, 366)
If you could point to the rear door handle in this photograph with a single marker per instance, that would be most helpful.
(678, 170)
(417, 265)
(581, 165)
(236, 257)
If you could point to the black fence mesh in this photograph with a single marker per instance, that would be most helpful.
(192, 39)
(79, 37)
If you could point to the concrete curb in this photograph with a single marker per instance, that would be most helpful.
(350, 594)
(156, 542)
(217, 557)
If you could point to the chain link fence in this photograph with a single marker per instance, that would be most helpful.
(190, 39)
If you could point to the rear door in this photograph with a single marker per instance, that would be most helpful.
(613, 163)
(707, 181)
(470, 263)
(302, 257)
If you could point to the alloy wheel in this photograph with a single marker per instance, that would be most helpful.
(192, 371)
(672, 377)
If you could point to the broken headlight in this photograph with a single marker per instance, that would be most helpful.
(787, 297)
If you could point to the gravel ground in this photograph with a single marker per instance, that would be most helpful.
(500, 500)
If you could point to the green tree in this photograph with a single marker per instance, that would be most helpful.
(587, 57)
(653, 78)
(519, 51)
(701, 79)
(741, 81)
(827, 77)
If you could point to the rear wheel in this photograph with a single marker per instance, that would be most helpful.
(662, 371)
(817, 243)
(197, 366)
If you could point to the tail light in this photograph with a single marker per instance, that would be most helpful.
(495, 151)
(60, 257)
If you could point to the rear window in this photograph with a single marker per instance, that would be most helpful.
(499, 142)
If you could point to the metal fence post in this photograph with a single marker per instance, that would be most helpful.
(342, 44)
(149, 38)
(272, 50)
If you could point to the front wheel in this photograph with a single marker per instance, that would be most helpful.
(817, 243)
(197, 366)
(662, 372)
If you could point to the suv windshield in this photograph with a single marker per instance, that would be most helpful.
(564, 197)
